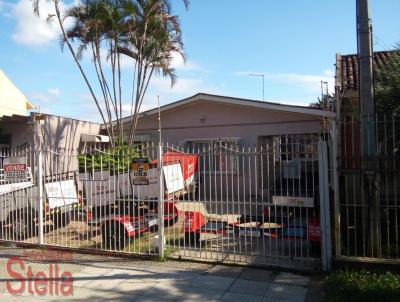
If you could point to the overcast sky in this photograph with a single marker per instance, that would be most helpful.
(293, 43)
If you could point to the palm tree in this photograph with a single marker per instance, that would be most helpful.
(156, 37)
(144, 30)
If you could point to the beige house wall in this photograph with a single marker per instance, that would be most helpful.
(60, 135)
(211, 120)
(54, 135)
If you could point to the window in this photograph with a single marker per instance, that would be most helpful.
(302, 147)
(216, 155)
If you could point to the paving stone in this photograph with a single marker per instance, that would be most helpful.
(195, 293)
(225, 271)
(292, 279)
(256, 274)
(164, 291)
(88, 294)
(152, 299)
(239, 297)
(134, 288)
(26, 298)
(249, 287)
(268, 299)
(101, 283)
(200, 300)
(95, 271)
(212, 282)
(81, 279)
(287, 292)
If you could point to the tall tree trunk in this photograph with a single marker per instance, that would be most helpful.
(56, 7)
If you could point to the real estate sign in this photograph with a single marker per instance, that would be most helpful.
(140, 169)
(15, 169)
(61, 193)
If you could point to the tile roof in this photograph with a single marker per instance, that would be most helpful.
(348, 69)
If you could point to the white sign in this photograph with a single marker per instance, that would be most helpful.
(102, 190)
(173, 178)
(124, 184)
(293, 201)
(61, 193)
(149, 191)
(15, 168)
(8, 188)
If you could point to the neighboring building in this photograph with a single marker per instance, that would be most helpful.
(348, 80)
(12, 100)
(348, 84)
(52, 134)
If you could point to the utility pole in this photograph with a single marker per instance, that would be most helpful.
(367, 116)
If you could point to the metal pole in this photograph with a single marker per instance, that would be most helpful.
(161, 188)
(41, 199)
(326, 246)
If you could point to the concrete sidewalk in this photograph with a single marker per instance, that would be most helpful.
(101, 278)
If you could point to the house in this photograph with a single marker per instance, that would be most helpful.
(347, 88)
(222, 129)
(348, 80)
(368, 184)
(12, 100)
(21, 132)
(52, 134)
(206, 119)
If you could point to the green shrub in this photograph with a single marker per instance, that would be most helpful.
(115, 160)
(362, 286)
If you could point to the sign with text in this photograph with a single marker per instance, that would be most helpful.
(101, 189)
(61, 193)
(15, 168)
(293, 201)
(173, 178)
(140, 169)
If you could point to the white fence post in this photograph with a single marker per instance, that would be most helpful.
(160, 203)
(326, 246)
(41, 197)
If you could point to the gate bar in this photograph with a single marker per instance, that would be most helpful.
(326, 245)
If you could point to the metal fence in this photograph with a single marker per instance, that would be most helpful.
(215, 201)
(258, 205)
(369, 195)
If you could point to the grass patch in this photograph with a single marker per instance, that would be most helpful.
(174, 237)
(5, 244)
(363, 286)
(141, 244)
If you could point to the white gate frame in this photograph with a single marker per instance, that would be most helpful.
(325, 221)
(161, 235)
(39, 182)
